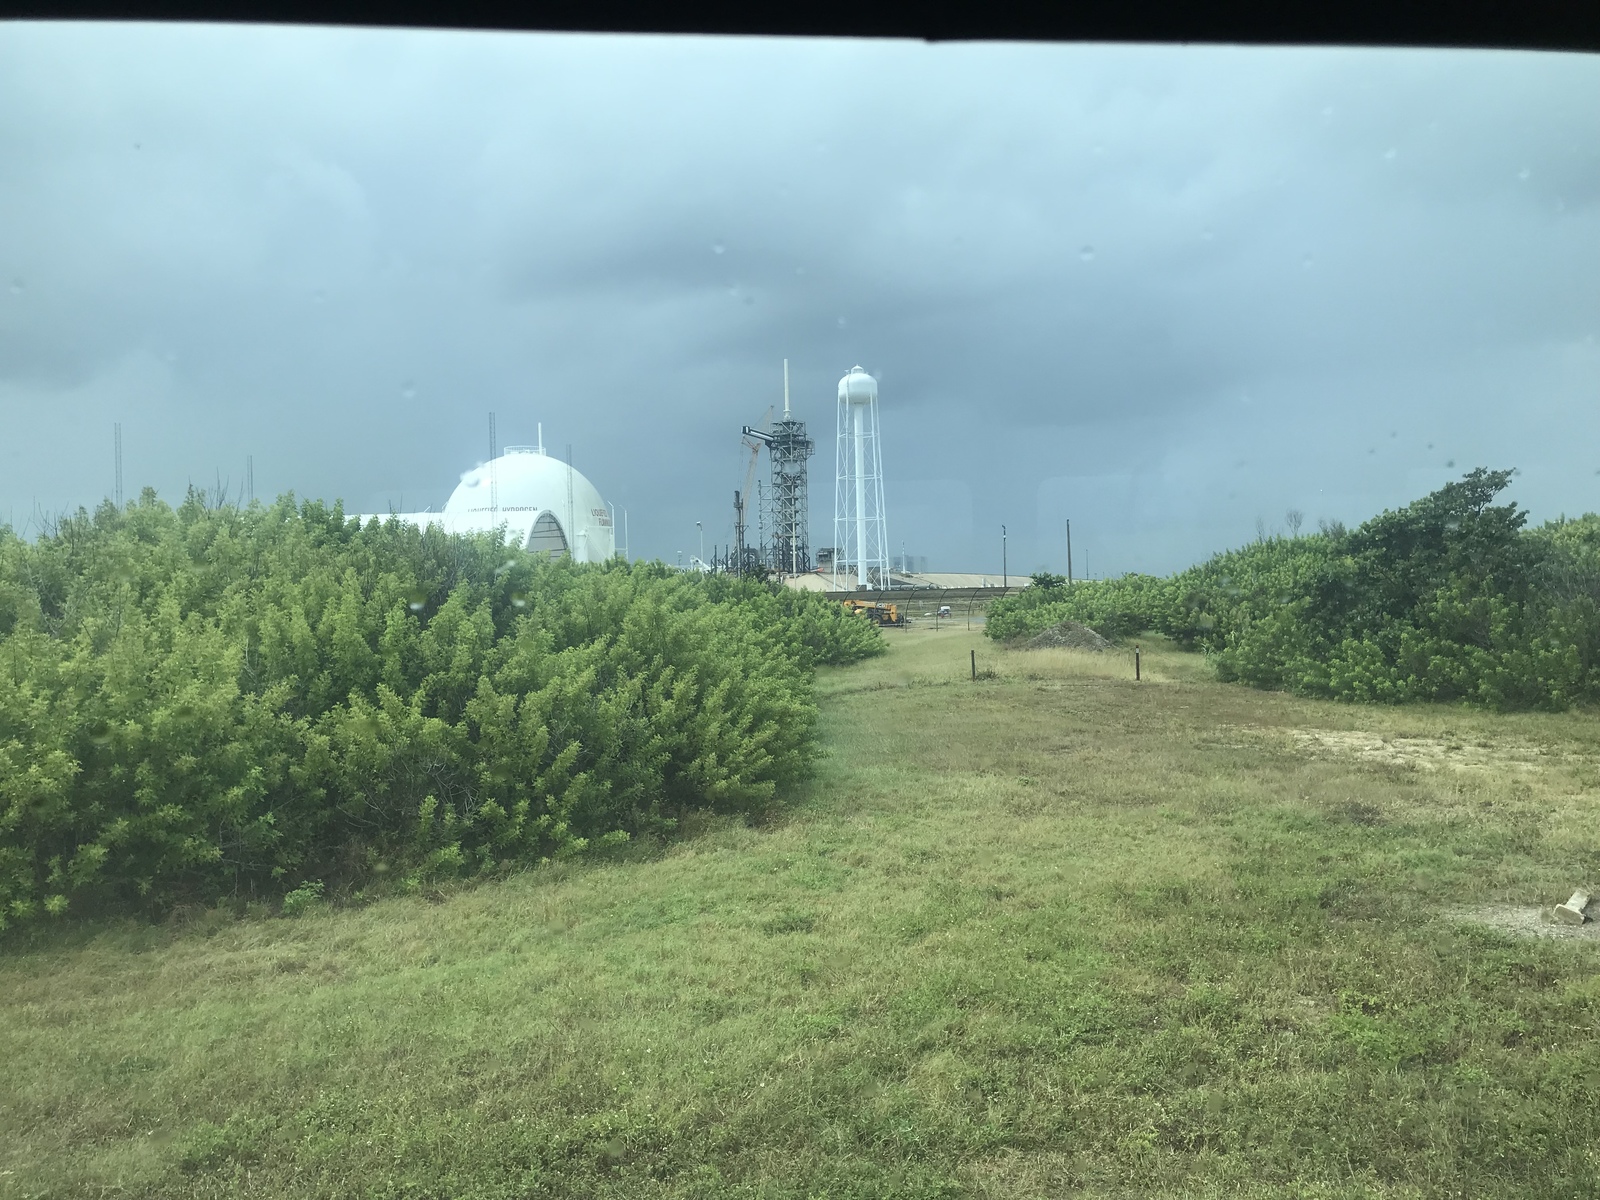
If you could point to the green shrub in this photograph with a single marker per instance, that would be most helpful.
(205, 702)
(1447, 599)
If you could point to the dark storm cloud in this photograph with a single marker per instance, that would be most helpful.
(1161, 291)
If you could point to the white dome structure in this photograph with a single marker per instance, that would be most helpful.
(542, 504)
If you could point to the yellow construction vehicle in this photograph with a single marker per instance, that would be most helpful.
(877, 611)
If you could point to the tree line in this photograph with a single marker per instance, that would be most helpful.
(1451, 598)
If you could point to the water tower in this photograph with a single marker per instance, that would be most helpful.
(860, 533)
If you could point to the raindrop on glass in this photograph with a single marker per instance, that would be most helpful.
(16, 287)
(1450, 464)
(417, 601)
(1389, 154)
(1306, 262)
(1523, 174)
(1087, 254)
(100, 733)
(841, 322)
(408, 390)
(799, 270)
(718, 248)
(519, 600)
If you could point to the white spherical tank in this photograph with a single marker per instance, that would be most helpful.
(857, 387)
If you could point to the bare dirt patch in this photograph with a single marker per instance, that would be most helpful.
(1068, 635)
(1423, 752)
(1524, 920)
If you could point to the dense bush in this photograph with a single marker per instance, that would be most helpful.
(209, 702)
(1449, 598)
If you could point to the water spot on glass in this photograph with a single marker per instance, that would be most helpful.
(1306, 262)
(1452, 524)
(1430, 445)
(1394, 433)
(505, 566)
(1208, 236)
(1389, 154)
(519, 599)
(841, 322)
(749, 299)
(799, 270)
(1087, 254)
(365, 724)
(320, 296)
(1327, 111)
(718, 248)
(1099, 149)
(1450, 464)
(100, 733)
(408, 389)
(16, 287)
(1523, 174)
(417, 600)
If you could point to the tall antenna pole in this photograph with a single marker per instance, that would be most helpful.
(1069, 552)
(250, 478)
(494, 495)
(786, 389)
(117, 438)
(572, 549)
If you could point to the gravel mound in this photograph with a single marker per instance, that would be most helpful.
(1068, 634)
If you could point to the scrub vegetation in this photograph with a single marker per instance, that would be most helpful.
(1048, 933)
(1447, 599)
(209, 702)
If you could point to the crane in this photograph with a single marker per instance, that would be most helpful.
(754, 438)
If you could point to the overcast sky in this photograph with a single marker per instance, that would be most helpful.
(1163, 292)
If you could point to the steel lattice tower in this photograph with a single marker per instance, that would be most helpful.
(785, 500)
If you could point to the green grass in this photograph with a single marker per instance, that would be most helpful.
(1049, 933)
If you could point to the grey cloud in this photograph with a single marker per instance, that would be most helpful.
(1094, 280)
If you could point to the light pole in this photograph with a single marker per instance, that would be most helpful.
(1005, 577)
(702, 545)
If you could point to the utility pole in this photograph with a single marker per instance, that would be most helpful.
(1005, 576)
(702, 531)
(1069, 551)
(117, 437)
(250, 478)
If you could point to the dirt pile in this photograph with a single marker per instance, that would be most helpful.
(1069, 635)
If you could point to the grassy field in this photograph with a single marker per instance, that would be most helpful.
(1048, 933)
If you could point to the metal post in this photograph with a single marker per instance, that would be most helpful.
(974, 666)
(1005, 576)
(1136, 664)
(1069, 552)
